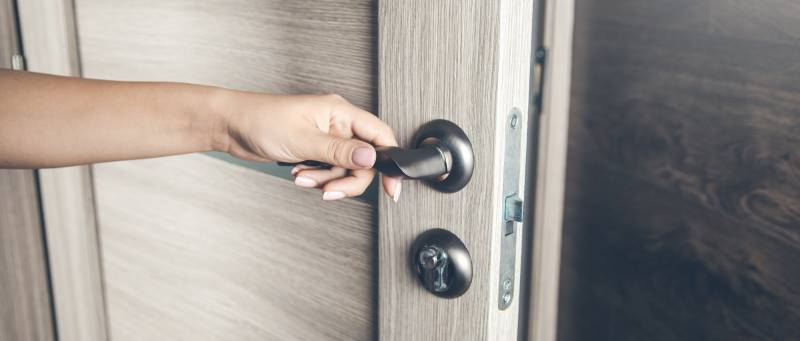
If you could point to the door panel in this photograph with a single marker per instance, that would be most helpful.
(195, 248)
(271, 46)
(275, 46)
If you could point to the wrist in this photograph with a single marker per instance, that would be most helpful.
(218, 113)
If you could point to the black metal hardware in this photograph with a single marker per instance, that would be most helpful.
(310, 163)
(442, 263)
(441, 155)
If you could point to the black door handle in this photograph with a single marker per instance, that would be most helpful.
(428, 162)
(441, 154)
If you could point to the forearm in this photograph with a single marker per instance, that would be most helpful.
(49, 121)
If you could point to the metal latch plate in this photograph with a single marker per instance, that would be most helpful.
(512, 208)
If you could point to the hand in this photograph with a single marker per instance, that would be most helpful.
(293, 128)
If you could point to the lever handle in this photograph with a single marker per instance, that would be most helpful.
(427, 162)
(441, 155)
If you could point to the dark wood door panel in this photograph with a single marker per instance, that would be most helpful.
(683, 190)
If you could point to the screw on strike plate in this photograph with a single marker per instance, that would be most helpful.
(507, 291)
(507, 284)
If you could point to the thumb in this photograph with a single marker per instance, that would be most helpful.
(341, 152)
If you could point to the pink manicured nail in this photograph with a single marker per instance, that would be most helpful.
(364, 157)
(303, 181)
(397, 189)
(332, 195)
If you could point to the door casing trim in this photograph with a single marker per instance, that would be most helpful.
(50, 43)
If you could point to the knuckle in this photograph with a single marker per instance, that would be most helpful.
(337, 150)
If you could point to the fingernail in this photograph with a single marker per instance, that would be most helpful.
(364, 157)
(397, 189)
(303, 181)
(295, 170)
(332, 195)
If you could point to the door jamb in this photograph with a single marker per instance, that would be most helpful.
(49, 39)
(550, 171)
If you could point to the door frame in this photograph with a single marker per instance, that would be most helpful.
(49, 38)
(50, 43)
(550, 175)
(24, 288)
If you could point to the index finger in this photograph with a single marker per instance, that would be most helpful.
(370, 128)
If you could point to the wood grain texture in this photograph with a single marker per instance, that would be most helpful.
(25, 310)
(283, 271)
(195, 248)
(458, 61)
(24, 294)
(8, 33)
(327, 291)
(48, 35)
(274, 46)
(683, 197)
(548, 207)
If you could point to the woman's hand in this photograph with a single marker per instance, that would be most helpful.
(293, 128)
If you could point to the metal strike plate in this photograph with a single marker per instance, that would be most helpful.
(512, 208)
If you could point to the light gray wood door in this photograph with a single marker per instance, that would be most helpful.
(196, 247)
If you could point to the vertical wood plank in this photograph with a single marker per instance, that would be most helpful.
(48, 35)
(551, 170)
(25, 312)
(25, 309)
(467, 62)
(8, 33)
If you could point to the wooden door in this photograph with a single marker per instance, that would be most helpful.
(197, 247)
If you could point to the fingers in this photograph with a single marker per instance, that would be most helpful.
(313, 178)
(353, 185)
(349, 186)
(298, 168)
(370, 128)
(338, 151)
(347, 144)
(392, 187)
